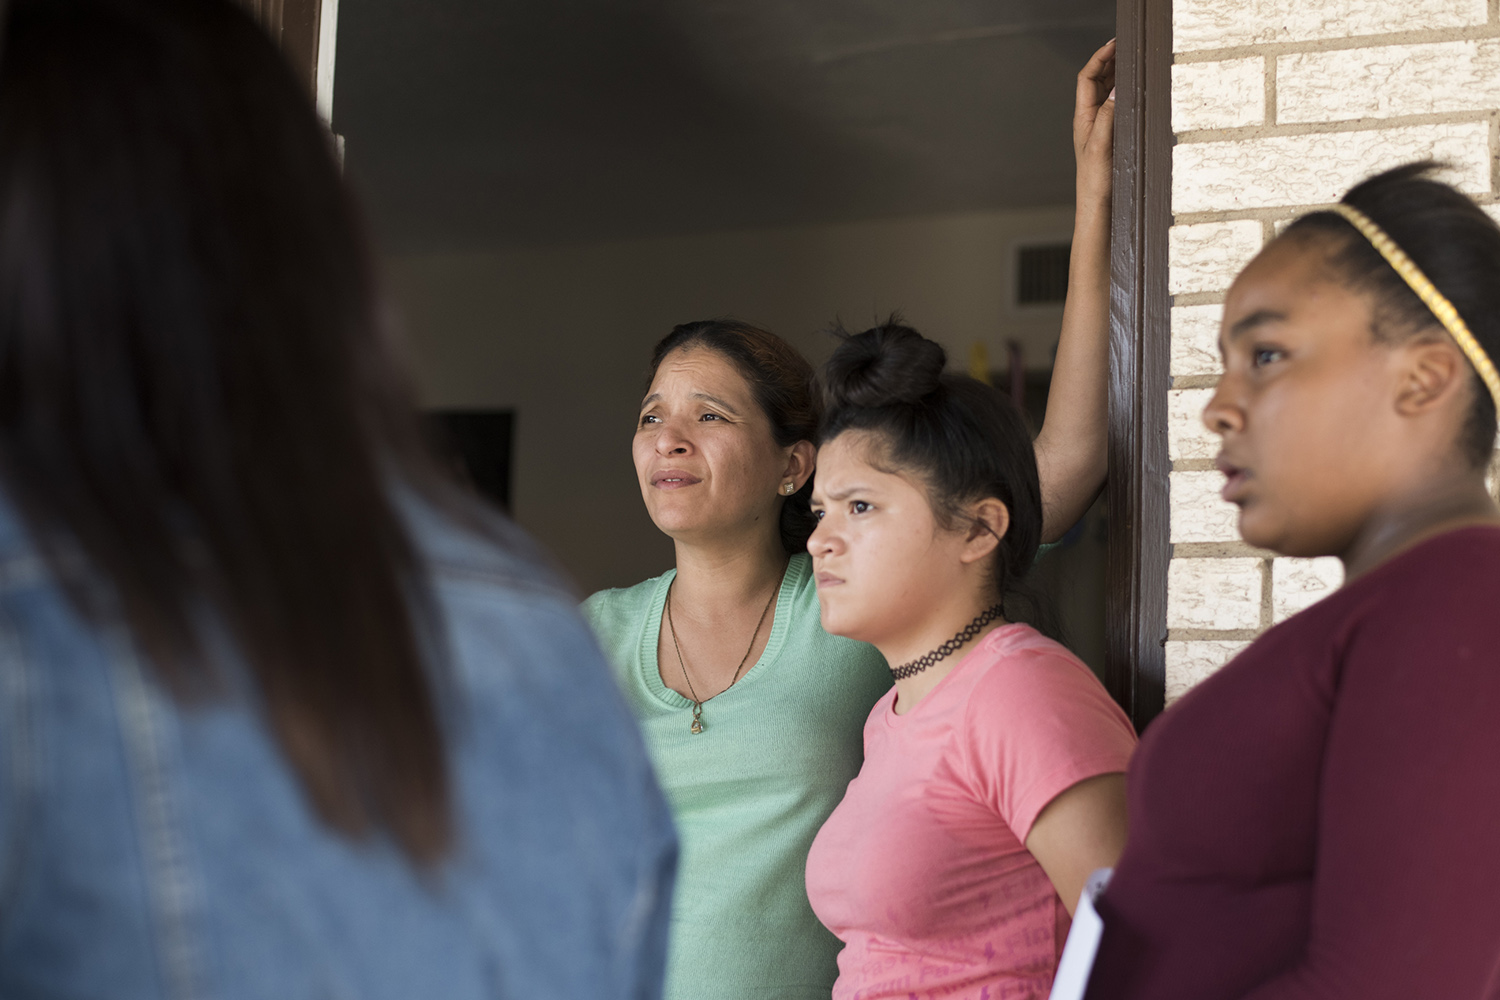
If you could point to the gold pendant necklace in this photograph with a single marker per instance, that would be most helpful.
(697, 726)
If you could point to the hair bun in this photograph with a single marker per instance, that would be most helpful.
(889, 365)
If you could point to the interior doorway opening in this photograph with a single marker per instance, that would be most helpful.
(554, 186)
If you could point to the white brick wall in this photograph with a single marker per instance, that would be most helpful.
(1198, 512)
(1187, 436)
(1190, 662)
(1387, 82)
(1218, 24)
(1355, 87)
(1318, 168)
(1228, 94)
(1205, 258)
(1195, 340)
(1219, 594)
(1298, 584)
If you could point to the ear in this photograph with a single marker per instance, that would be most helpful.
(1431, 373)
(800, 464)
(990, 519)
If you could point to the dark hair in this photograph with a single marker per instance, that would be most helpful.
(1452, 240)
(962, 439)
(784, 386)
(195, 400)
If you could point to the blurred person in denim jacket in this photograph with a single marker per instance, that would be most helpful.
(282, 714)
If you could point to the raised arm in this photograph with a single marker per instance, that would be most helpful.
(1070, 450)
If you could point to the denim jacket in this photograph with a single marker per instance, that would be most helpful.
(154, 850)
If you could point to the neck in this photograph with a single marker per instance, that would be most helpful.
(928, 635)
(1441, 504)
(727, 574)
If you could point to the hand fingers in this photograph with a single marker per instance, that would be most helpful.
(1102, 137)
(1100, 63)
(1096, 79)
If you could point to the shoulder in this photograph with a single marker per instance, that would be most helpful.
(1032, 691)
(1023, 669)
(605, 609)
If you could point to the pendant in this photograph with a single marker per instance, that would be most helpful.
(697, 718)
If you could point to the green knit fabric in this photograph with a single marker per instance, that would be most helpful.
(748, 793)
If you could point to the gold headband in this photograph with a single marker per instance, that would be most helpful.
(1428, 293)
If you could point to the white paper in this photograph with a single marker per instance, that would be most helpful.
(1083, 941)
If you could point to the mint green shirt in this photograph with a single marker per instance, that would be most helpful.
(749, 793)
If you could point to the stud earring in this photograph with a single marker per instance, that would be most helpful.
(789, 488)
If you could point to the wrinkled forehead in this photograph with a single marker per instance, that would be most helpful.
(698, 370)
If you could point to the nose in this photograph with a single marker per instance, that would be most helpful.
(671, 441)
(1224, 414)
(824, 540)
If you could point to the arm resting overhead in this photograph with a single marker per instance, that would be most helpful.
(1070, 450)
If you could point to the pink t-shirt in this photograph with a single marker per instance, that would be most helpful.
(922, 870)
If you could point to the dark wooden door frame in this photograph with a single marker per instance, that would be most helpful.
(294, 25)
(1140, 349)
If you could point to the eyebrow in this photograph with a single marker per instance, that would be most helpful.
(847, 492)
(656, 396)
(1261, 317)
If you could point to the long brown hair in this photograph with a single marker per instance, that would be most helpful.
(196, 402)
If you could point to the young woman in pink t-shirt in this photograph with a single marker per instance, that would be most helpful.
(992, 782)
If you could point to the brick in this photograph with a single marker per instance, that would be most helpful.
(1191, 663)
(1206, 257)
(1199, 514)
(1218, 594)
(1318, 168)
(1298, 584)
(1388, 81)
(1212, 24)
(1195, 340)
(1187, 437)
(1494, 211)
(1213, 95)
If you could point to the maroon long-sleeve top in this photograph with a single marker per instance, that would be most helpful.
(1321, 818)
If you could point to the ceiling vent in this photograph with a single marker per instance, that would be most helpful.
(1042, 274)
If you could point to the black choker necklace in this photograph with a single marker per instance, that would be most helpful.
(947, 649)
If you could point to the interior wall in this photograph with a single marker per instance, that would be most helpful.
(562, 335)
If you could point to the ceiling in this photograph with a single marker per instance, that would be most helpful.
(486, 124)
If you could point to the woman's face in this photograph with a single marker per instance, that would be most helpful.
(882, 560)
(1305, 408)
(708, 464)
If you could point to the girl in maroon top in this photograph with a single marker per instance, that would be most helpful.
(1321, 819)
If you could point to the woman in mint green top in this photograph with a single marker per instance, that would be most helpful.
(749, 792)
(752, 714)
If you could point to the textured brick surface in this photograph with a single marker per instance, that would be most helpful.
(1214, 95)
(1297, 584)
(1187, 437)
(1213, 24)
(1207, 256)
(1219, 594)
(1318, 168)
(1198, 512)
(1387, 81)
(1190, 662)
(1195, 340)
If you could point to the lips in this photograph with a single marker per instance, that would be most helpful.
(673, 479)
(828, 580)
(1236, 479)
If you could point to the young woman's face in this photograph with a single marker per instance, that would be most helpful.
(882, 560)
(1305, 407)
(705, 457)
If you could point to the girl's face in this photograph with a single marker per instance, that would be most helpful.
(705, 456)
(1306, 407)
(882, 560)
